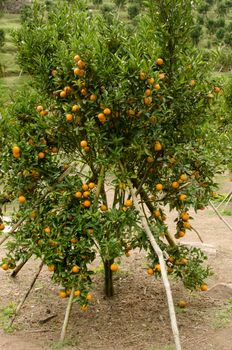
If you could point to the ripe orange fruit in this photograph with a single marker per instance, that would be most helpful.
(101, 117)
(103, 207)
(51, 268)
(77, 293)
(159, 61)
(204, 287)
(69, 117)
(187, 225)
(77, 58)
(217, 89)
(162, 76)
(39, 108)
(157, 267)
(47, 230)
(183, 177)
(114, 267)
(16, 149)
(183, 261)
(91, 185)
(83, 143)
(5, 267)
(184, 216)
(192, 83)
(157, 146)
(41, 155)
(86, 204)
(150, 81)
(84, 307)
(147, 101)
(150, 271)
(182, 304)
(157, 87)
(22, 199)
(142, 75)
(128, 202)
(89, 296)
(181, 233)
(86, 194)
(81, 64)
(157, 213)
(159, 187)
(54, 72)
(2, 227)
(175, 184)
(62, 94)
(62, 294)
(107, 111)
(84, 92)
(78, 194)
(75, 108)
(85, 187)
(147, 92)
(79, 72)
(75, 269)
(93, 98)
(73, 240)
(182, 197)
(127, 253)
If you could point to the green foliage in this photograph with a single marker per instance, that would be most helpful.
(2, 37)
(143, 113)
(133, 11)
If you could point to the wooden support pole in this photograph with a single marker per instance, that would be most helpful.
(67, 315)
(164, 275)
(219, 215)
(19, 267)
(26, 294)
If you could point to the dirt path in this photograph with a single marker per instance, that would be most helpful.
(136, 318)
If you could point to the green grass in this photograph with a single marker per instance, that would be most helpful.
(8, 85)
(223, 317)
(5, 314)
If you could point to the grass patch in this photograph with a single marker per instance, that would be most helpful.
(5, 315)
(223, 317)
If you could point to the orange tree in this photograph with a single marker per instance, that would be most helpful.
(107, 105)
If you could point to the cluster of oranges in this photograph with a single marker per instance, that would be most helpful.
(85, 194)
(42, 112)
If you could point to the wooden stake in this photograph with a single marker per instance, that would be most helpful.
(219, 215)
(67, 314)
(26, 294)
(19, 267)
(164, 275)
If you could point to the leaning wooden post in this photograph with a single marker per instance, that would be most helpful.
(19, 267)
(26, 294)
(219, 215)
(67, 314)
(164, 275)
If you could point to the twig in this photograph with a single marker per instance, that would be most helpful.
(26, 294)
(67, 314)
(99, 184)
(198, 234)
(219, 215)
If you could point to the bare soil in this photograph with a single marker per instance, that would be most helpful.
(137, 317)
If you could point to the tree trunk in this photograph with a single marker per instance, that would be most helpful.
(109, 288)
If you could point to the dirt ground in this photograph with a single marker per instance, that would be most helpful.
(137, 317)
